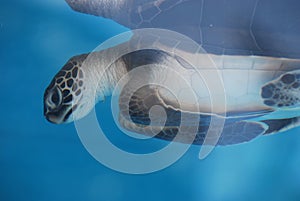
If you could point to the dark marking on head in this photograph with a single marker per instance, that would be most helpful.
(74, 88)
(68, 114)
(68, 99)
(55, 97)
(78, 92)
(68, 66)
(61, 73)
(66, 92)
(80, 83)
(59, 80)
(70, 82)
(74, 72)
(74, 107)
(63, 85)
(80, 74)
(68, 75)
(51, 85)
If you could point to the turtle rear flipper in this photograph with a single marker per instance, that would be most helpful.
(283, 92)
(280, 125)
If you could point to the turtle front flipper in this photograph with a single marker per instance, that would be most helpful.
(283, 92)
(145, 112)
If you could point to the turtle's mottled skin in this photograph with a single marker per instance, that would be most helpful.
(82, 82)
(65, 86)
(260, 71)
(75, 88)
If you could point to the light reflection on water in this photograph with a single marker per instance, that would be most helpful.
(41, 161)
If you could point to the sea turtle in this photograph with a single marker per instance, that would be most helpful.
(260, 70)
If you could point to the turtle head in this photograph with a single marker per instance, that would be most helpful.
(64, 98)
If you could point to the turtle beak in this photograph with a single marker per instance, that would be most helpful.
(60, 116)
(53, 119)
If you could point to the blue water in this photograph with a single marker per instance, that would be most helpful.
(40, 161)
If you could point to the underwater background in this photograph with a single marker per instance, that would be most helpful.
(40, 161)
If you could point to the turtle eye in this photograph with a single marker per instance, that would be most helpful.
(54, 99)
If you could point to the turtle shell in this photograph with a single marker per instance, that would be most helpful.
(248, 27)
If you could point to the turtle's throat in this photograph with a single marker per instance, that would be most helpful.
(102, 71)
(109, 79)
